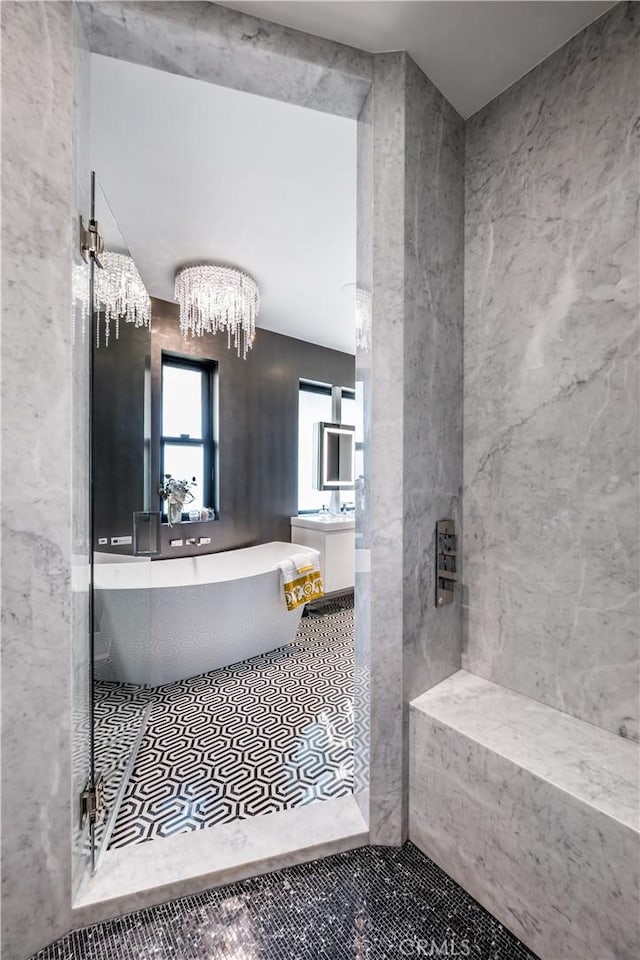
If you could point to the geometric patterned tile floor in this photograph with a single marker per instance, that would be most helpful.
(375, 903)
(119, 714)
(262, 735)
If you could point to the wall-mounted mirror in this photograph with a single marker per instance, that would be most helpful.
(335, 456)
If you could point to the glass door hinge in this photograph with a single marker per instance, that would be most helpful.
(91, 241)
(92, 801)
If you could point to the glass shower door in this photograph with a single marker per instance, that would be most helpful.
(124, 531)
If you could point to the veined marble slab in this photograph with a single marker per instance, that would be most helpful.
(552, 380)
(585, 761)
(218, 45)
(534, 812)
(80, 354)
(434, 304)
(39, 452)
(415, 451)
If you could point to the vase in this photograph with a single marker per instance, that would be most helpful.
(174, 513)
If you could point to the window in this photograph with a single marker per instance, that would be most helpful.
(315, 406)
(187, 444)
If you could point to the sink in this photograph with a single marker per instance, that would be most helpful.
(334, 539)
(310, 521)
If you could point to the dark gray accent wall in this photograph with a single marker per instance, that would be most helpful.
(118, 418)
(257, 432)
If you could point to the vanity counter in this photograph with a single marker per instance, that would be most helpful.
(326, 522)
(334, 539)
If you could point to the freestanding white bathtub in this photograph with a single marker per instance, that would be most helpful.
(167, 620)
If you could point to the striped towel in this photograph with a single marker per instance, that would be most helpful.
(301, 578)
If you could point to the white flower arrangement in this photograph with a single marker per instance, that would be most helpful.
(176, 493)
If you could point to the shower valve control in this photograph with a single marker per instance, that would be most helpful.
(446, 561)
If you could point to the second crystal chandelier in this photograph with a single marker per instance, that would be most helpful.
(213, 298)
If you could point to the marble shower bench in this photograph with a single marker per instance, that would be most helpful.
(533, 812)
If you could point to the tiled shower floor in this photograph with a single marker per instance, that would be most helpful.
(376, 903)
(262, 735)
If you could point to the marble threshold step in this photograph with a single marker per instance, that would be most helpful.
(145, 874)
(534, 812)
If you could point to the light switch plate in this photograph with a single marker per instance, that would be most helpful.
(176, 543)
(121, 541)
(203, 540)
(103, 541)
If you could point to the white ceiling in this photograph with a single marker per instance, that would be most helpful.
(472, 51)
(197, 172)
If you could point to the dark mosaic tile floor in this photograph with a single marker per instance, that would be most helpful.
(375, 903)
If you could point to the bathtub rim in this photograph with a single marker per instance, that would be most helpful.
(139, 576)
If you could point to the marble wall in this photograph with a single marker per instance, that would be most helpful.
(364, 281)
(432, 396)
(384, 481)
(416, 409)
(551, 380)
(80, 358)
(212, 43)
(37, 162)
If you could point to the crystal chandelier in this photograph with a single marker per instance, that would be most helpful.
(119, 294)
(363, 319)
(213, 297)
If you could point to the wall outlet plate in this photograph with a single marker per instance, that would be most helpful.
(121, 541)
(203, 540)
(103, 541)
(175, 543)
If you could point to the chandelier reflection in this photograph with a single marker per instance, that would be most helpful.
(119, 294)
